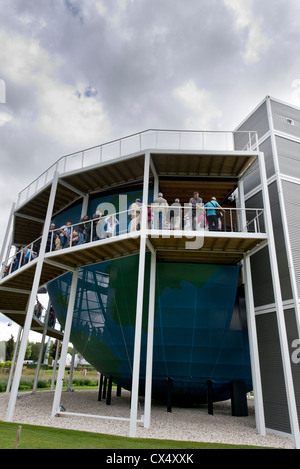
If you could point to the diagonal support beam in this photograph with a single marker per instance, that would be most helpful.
(31, 304)
(64, 350)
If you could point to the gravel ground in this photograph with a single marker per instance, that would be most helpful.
(193, 424)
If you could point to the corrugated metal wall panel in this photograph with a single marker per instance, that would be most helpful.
(258, 121)
(288, 156)
(283, 267)
(253, 179)
(281, 112)
(260, 262)
(291, 194)
(274, 395)
(262, 278)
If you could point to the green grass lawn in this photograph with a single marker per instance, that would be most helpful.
(37, 437)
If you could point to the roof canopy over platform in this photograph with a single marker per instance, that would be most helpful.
(212, 172)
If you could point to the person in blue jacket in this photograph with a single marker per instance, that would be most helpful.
(212, 212)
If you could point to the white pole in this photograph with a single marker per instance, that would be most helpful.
(253, 345)
(11, 373)
(286, 363)
(64, 350)
(149, 361)
(38, 367)
(139, 304)
(252, 334)
(242, 215)
(46, 356)
(71, 369)
(29, 314)
(55, 365)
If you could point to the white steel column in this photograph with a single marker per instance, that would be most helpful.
(149, 361)
(242, 218)
(286, 363)
(31, 303)
(253, 345)
(41, 350)
(12, 369)
(139, 303)
(46, 356)
(64, 350)
(55, 365)
(71, 369)
(156, 181)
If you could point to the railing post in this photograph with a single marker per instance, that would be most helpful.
(242, 217)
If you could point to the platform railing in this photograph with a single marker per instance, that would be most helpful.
(149, 139)
(185, 220)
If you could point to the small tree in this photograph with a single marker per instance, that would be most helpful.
(35, 350)
(28, 351)
(53, 348)
(10, 344)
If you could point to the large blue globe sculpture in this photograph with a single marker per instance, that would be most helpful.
(200, 332)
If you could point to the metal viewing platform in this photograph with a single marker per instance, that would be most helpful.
(176, 163)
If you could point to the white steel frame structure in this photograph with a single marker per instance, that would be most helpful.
(146, 243)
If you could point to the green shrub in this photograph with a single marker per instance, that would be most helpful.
(6, 364)
(3, 384)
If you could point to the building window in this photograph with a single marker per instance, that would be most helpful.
(289, 121)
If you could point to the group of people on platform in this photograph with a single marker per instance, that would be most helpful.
(88, 229)
(160, 215)
(22, 257)
(196, 215)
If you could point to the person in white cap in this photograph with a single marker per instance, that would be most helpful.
(160, 208)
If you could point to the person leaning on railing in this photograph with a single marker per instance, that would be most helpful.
(175, 215)
(82, 229)
(214, 212)
(50, 246)
(196, 203)
(64, 235)
(135, 210)
(160, 209)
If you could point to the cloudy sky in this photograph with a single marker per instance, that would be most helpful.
(82, 72)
